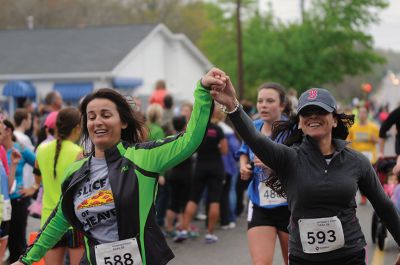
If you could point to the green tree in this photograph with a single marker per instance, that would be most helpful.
(327, 46)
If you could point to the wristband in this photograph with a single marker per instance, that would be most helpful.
(237, 105)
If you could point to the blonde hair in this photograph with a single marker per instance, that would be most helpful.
(218, 115)
(154, 113)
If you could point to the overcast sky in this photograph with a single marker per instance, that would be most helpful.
(386, 34)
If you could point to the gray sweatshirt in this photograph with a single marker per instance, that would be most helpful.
(316, 189)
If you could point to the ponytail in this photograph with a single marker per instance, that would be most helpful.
(57, 154)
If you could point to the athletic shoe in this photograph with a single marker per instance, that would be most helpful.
(211, 238)
(231, 225)
(181, 236)
(170, 234)
(194, 231)
(194, 234)
(201, 217)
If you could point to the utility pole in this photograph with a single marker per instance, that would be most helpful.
(302, 9)
(239, 50)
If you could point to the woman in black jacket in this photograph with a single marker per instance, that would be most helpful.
(320, 176)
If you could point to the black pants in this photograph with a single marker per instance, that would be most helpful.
(241, 187)
(19, 219)
(224, 202)
(357, 258)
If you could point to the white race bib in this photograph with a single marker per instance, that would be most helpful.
(268, 197)
(321, 234)
(369, 155)
(123, 252)
(7, 210)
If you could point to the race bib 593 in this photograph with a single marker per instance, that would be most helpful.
(321, 234)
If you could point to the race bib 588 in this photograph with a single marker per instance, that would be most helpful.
(123, 252)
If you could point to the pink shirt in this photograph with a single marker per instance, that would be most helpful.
(3, 157)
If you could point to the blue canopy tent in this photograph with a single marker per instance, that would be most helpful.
(126, 82)
(73, 92)
(18, 89)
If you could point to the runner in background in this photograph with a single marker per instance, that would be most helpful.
(6, 180)
(363, 137)
(209, 173)
(268, 215)
(179, 179)
(52, 159)
(21, 196)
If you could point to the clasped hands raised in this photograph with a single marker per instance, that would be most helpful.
(221, 87)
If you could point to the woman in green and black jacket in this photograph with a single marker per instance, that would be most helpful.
(109, 195)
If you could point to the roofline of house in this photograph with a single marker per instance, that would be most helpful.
(160, 28)
(185, 40)
(164, 30)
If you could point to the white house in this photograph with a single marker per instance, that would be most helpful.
(76, 61)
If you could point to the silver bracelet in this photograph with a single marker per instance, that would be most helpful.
(237, 105)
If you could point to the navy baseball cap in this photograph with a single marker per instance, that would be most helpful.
(317, 97)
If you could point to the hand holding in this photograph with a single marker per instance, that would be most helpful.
(215, 79)
(227, 96)
(18, 263)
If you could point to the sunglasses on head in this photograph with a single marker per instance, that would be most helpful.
(313, 110)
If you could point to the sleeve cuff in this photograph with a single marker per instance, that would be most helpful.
(203, 86)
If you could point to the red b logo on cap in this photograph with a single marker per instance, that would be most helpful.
(312, 94)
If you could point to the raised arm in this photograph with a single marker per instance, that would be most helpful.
(157, 156)
(272, 154)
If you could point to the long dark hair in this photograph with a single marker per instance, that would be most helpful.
(67, 120)
(135, 131)
(341, 131)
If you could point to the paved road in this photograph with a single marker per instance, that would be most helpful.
(231, 249)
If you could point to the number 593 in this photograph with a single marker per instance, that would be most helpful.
(321, 237)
